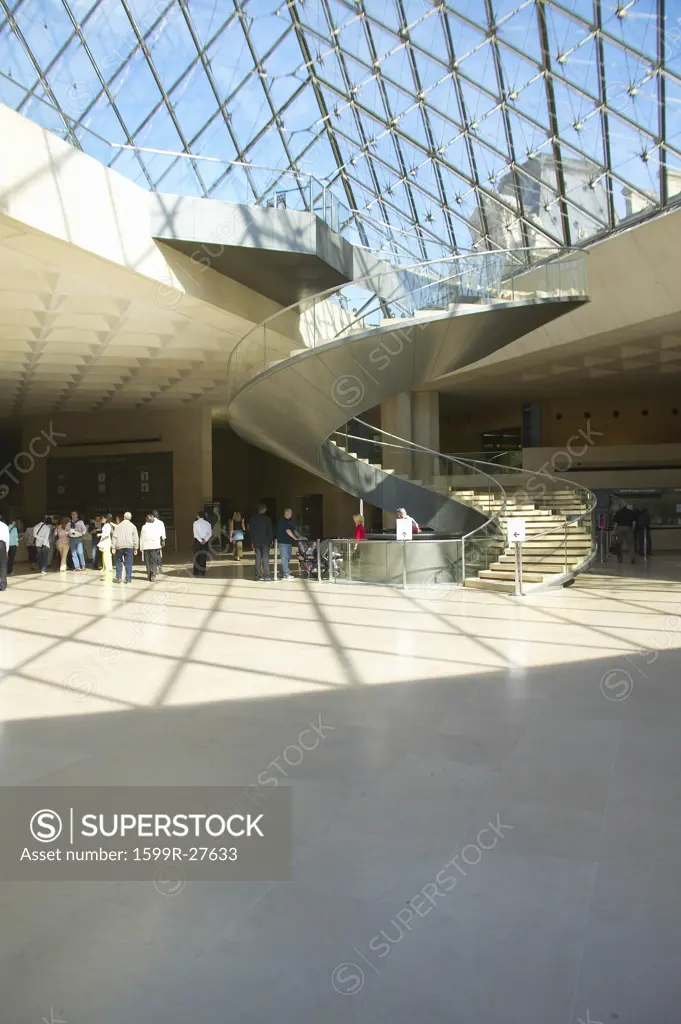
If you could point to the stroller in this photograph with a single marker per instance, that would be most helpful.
(308, 560)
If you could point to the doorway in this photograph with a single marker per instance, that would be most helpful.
(309, 516)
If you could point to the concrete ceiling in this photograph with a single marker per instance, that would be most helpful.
(80, 334)
(624, 358)
(285, 277)
(629, 334)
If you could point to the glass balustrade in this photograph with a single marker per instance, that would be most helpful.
(397, 294)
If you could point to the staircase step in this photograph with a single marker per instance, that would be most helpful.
(550, 530)
(502, 586)
(506, 563)
(509, 574)
(536, 547)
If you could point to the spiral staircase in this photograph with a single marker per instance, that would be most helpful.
(298, 378)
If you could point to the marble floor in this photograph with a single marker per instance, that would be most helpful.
(555, 719)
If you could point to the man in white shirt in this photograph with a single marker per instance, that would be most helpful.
(4, 548)
(152, 539)
(402, 514)
(203, 532)
(42, 538)
(162, 527)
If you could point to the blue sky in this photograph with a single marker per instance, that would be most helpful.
(409, 137)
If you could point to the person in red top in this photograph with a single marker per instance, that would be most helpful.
(360, 528)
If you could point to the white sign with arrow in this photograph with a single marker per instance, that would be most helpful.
(515, 530)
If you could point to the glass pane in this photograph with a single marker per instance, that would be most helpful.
(399, 117)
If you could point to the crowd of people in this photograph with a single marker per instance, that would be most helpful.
(109, 543)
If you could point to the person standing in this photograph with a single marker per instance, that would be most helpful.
(286, 538)
(261, 539)
(162, 528)
(42, 537)
(63, 541)
(625, 521)
(14, 535)
(95, 534)
(360, 528)
(76, 533)
(642, 540)
(236, 535)
(203, 533)
(104, 544)
(125, 544)
(151, 543)
(53, 523)
(402, 514)
(4, 549)
(31, 549)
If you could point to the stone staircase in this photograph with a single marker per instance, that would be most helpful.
(546, 557)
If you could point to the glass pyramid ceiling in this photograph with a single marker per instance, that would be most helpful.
(432, 125)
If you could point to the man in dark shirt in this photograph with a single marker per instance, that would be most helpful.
(625, 521)
(260, 531)
(286, 538)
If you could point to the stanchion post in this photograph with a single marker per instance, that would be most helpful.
(319, 560)
(404, 564)
(566, 545)
(276, 551)
(519, 569)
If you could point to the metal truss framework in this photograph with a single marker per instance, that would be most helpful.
(450, 124)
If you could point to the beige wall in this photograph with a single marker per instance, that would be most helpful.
(563, 417)
(186, 433)
(54, 188)
(242, 474)
(660, 426)
(577, 455)
(463, 432)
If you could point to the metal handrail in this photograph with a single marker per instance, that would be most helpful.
(420, 266)
(560, 526)
(570, 483)
(414, 446)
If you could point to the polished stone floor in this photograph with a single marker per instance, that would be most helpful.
(555, 718)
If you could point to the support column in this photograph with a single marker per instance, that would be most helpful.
(413, 416)
(425, 420)
(396, 418)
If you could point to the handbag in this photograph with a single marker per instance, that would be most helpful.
(616, 546)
